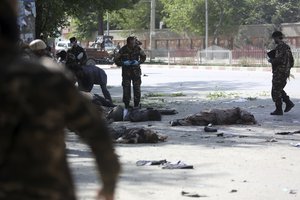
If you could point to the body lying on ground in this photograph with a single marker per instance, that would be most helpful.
(135, 135)
(217, 117)
(134, 115)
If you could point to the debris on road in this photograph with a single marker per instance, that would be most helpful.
(189, 194)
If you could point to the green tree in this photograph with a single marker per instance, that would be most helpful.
(89, 14)
(135, 18)
(273, 12)
(54, 14)
(50, 16)
(224, 16)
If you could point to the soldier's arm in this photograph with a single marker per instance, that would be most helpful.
(142, 56)
(91, 126)
(280, 57)
(118, 59)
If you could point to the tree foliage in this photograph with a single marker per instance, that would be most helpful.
(273, 12)
(54, 14)
(50, 16)
(136, 18)
(225, 16)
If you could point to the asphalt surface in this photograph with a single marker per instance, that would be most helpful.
(247, 162)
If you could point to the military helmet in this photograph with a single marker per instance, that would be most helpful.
(277, 34)
(37, 44)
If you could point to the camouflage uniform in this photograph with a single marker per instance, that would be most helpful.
(281, 66)
(36, 105)
(131, 73)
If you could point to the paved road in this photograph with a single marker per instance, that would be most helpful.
(196, 81)
(250, 162)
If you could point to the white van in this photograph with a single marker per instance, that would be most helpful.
(62, 45)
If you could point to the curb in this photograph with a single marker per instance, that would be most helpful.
(224, 68)
(197, 67)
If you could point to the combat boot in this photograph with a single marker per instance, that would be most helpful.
(278, 110)
(289, 104)
(137, 105)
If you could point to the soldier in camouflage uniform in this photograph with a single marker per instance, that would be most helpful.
(130, 57)
(282, 61)
(37, 103)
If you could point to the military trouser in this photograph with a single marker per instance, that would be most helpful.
(279, 81)
(130, 73)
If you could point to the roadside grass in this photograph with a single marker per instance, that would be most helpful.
(152, 94)
(230, 95)
(222, 95)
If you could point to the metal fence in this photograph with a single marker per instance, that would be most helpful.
(240, 57)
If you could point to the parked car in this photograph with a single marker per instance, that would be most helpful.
(62, 45)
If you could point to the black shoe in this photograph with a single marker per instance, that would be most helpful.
(137, 105)
(277, 112)
(289, 106)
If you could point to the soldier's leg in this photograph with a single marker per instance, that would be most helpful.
(287, 101)
(136, 81)
(278, 84)
(126, 83)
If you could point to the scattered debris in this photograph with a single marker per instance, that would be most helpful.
(220, 135)
(177, 165)
(165, 164)
(271, 140)
(288, 133)
(233, 191)
(295, 145)
(189, 194)
(150, 162)
(186, 135)
(293, 192)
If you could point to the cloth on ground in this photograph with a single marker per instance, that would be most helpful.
(150, 162)
(177, 165)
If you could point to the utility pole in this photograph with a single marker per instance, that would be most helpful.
(107, 24)
(152, 28)
(206, 27)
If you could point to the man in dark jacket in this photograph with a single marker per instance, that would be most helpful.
(282, 60)
(78, 52)
(37, 103)
(91, 75)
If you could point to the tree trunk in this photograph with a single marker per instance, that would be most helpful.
(100, 23)
(39, 18)
(217, 28)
